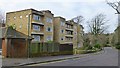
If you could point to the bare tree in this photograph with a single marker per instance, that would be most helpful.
(114, 5)
(97, 25)
(79, 19)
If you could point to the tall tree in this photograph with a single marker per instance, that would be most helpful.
(114, 5)
(97, 25)
(79, 19)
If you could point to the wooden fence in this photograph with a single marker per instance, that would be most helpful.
(48, 49)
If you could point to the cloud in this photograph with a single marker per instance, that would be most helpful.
(65, 8)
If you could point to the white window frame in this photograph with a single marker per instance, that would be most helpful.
(49, 38)
(61, 31)
(35, 27)
(49, 20)
(35, 17)
(62, 23)
(36, 36)
(50, 29)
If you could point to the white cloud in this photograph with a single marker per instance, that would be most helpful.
(65, 8)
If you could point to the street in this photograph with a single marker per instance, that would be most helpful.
(108, 57)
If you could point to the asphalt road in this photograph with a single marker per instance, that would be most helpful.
(108, 57)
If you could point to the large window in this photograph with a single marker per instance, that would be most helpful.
(36, 37)
(36, 17)
(49, 38)
(49, 20)
(49, 29)
(36, 27)
(62, 23)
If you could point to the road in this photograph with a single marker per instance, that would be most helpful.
(108, 57)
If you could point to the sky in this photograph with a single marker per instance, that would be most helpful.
(67, 9)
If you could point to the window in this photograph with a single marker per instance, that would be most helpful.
(49, 38)
(36, 27)
(36, 17)
(26, 15)
(62, 39)
(36, 37)
(49, 29)
(62, 23)
(62, 31)
(49, 20)
(14, 17)
(20, 26)
(20, 16)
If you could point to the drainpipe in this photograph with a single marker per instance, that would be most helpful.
(28, 36)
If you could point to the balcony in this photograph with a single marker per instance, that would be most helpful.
(37, 32)
(69, 35)
(67, 42)
(41, 40)
(38, 23)
(70, 29)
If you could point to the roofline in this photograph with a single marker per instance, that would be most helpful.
(24, 10)
(47, 11)
(60, 17)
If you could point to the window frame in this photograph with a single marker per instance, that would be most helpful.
(49, 20)
(36, 27)
(48, 30)
(36, 17)
(49, 38)
(35, 36)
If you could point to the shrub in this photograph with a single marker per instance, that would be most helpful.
(88, 48)
(117, 46)
(97, 46)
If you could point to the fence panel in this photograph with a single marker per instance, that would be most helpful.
(34, 48)
(42, 49)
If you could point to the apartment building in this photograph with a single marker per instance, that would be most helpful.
(38, 24)
(59, 29)
(69, 32)
(44, 27)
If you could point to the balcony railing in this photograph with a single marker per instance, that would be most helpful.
(38, 23)
(69, 29)
(37, 32)
(69, 35)
(68, 41)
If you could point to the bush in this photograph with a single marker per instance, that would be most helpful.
(87, 47)
(117, 46)
(97, 46)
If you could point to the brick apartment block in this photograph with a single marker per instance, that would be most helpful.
(43, 27)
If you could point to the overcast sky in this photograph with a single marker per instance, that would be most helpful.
(66, 8)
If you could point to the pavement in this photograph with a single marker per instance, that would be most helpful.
(29, 61)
